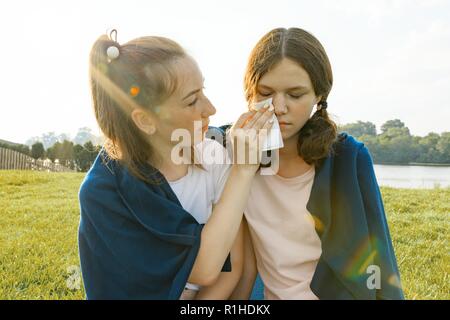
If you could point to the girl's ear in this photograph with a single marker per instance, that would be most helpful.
(144, 121)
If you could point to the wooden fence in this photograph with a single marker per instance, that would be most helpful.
(13, 160)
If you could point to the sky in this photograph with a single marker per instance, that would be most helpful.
(390, 58)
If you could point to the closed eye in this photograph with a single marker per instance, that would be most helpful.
(193, 103)
(296, 96)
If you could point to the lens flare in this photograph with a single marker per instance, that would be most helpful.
(362, 258)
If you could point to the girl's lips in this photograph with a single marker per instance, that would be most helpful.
(283, 125)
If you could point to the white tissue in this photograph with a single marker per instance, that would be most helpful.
(274, 139)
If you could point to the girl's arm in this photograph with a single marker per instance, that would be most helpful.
(219, 233)
(227, 281)
(243, 289)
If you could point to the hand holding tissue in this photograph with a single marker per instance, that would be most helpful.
(274, 139)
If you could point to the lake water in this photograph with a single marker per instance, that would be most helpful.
(412, 176)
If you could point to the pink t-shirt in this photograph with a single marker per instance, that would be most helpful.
(287, 247)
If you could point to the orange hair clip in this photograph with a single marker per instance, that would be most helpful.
(134, 91)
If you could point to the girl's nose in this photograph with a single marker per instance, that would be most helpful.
(209, 109)
(279, 102)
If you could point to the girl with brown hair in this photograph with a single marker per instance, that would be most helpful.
(317, 227)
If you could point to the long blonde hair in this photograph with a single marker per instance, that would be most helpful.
(142, 76)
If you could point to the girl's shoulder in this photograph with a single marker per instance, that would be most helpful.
(100, 179)
(347, 141)
(346, 144)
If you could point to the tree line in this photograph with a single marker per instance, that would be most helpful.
(393, 145)
(74, 156)
(77, 153)
(396, 145)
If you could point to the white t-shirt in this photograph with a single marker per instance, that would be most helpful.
(200, 188)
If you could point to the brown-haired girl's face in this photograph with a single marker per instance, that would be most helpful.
(187, 104)
(293, 95)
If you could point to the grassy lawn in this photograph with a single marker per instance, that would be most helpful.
(39, 218)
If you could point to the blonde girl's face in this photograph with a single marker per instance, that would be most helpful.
(293, 95)
(186, 105)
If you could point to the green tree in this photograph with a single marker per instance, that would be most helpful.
(37, 150)
(66, 154)
(63, 152)
(360, 128)
(428, 148)
(394, 132)
(16, 147)
(371, 142)
(85, 155)
(443, 146)
(395, 144)
(396, 123)
(51, 152)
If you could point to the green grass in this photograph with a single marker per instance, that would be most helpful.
(419, 222)
(39, 217)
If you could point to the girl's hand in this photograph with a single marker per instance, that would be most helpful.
(247, 136)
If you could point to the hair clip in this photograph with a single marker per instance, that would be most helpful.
(111, 35)
(134, 91)
(112, 52)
